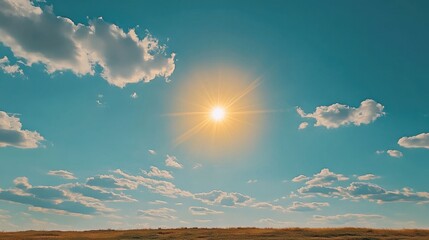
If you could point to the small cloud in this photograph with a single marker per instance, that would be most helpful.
(418, 141)
(305, 207)
(347, 218)
(303, 125)
(156, 172)
(379, 152)
(197, 165)
(203, 211)
(134, 95)
(62, 173)
(158, 202)
(252, 181)
(325, 177)
(8, 68)
(171, 161)
(152, 152)
(367, 177)
(300, 178)
(160, 213)
(395, 153)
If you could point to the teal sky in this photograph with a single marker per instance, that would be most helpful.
(88, 90)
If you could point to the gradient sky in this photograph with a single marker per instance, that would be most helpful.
(88, 141)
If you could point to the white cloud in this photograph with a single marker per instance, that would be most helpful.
(109, 181)
(39, 36)
(8, 68)
(337, 115)
(395, 153)
(158, 202)
(12, 134)
(134, 95)
(272, 222)
(307, 206)
(379, 152)
(156, 172)
(325, 177)
(62, 173)
(203, 211)
(303, 125)
(300, 178)
(229, 199)
(418, 141)
(250, 181)
(152, 152)
(160, 213)
(367, 177)
(171, 161)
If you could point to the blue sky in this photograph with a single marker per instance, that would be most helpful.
(335, 130)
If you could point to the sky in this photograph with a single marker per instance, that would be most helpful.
(147, 114)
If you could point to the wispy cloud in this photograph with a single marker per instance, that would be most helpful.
(62, 173)
(160, 213)
(8, 68)
(171, 161)
(203, 211)
(156, 172)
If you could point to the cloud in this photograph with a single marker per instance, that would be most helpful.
(418, 141)
(300, 178)
(326, 177)
(8, 68)
(229, 199)
(171, 161)
(325, 191)
(197, 165)
(160, 213)
(270, 222)
(37, 35)
(162, 187)
(303, 125)
(157, 202)
(337, 115)
(156, 172)
(251, 181)
(305, 207)
(134, 95)
(203, 211)
(367, 177)
(153, 152)
(99, 193)
(12, 134)
(347, 218)
(62, 173)
(51, 197)
(395, 153)
(109, 181)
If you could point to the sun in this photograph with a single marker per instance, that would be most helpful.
(218, 114)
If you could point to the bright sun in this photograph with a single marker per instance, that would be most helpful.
(218, 114)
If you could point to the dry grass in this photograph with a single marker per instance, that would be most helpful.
(228, 233)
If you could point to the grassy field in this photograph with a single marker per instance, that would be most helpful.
(231, 233)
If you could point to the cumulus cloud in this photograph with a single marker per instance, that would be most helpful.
(8, 68)
(307, 206)
(203, 211)
(12, 134)
(99, 193)
(367, 177)
(51, 197)
(418, 141)
(156, 172)
(394, 153)
(347, 218)
(337, 115)
(171, 161)
(229, 199)
(300, 178)
(62, 173)
(160, 213)
(109, 181)
(326, 177)
(37, 35)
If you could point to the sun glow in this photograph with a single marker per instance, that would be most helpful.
(217, 111)
(218, 114)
